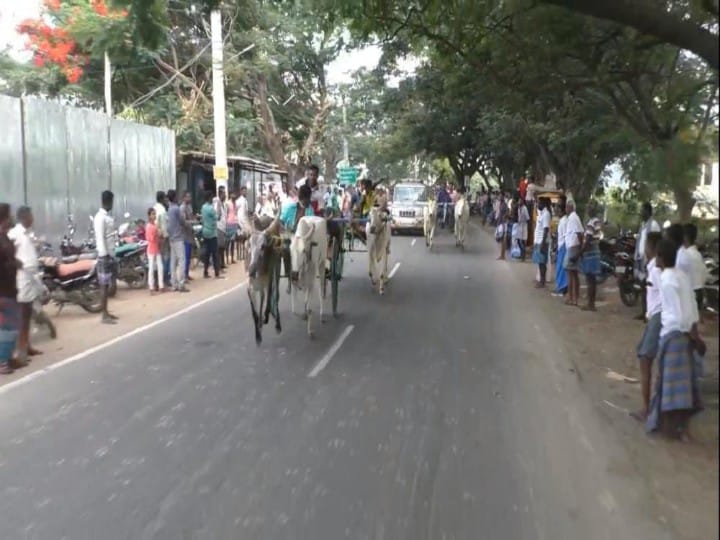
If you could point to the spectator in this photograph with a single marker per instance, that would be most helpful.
(647, 225)
(690, 260)
(647, 349)
(542, 240)
(154, 254)
(104, 228)
(243, 211)
(9, 309)
(590, 261)
(560, 274)
(176, 235)
(221, 211)
(209, 232)
(523, 217)
(522, 187)
(161, 206)
(501, 217)
(573, 242)
(232, 228)
(676, 398)
(188, 233)
(27, 284)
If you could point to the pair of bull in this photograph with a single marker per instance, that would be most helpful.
(462, 219)
(308, 259)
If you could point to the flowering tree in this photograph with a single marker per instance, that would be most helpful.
(71, 32)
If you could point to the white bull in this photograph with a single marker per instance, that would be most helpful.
(378, 245)
(308, 251)
(263, 276)
(462, 218)
(429, 222)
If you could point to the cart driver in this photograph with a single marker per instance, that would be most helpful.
(290, 216)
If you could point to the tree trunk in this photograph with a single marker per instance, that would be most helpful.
(685, 203)
(649, 18)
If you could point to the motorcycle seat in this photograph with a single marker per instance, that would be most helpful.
(79, 267)
(125, 248)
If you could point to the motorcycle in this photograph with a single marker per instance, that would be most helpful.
(70, 281)
(630, 287)
(131, 258)
(446, 215)
(711, 285)
(67, 245)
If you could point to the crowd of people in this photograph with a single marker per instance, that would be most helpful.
(172, 231)
(667, 263)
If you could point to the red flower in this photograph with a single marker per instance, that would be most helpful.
(52, 5)
(38, 61)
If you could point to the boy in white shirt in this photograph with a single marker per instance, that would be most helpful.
(647, 349)
(676, 398)
(693, 265)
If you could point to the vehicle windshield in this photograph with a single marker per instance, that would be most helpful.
(409, 194)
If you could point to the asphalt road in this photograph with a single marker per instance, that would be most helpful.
(449, 412)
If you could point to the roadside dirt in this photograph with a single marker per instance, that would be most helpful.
(682, 477)
(79, 331)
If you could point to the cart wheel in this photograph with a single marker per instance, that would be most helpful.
(336, 268)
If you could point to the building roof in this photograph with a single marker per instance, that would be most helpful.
(244, 162)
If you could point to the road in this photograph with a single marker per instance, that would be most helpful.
(448, 412)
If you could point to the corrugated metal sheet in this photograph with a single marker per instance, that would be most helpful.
(12, 188)
(46, 150)
(88, 163)
(71, 156)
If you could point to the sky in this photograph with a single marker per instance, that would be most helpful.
(12, 12)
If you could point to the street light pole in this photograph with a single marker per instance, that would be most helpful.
(108, 85)
(218, 94)
(346, 151)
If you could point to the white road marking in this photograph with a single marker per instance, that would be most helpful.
(325, 360)
(27, 378)
(413, 241)
(394, 270)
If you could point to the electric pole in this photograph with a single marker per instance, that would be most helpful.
(108, 85)
(220, 171)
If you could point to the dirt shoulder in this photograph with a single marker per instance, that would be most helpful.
(683, 477)
(79, 331)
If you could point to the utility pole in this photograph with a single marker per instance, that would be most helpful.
(221, 170)
(108, 85)
(346, 151)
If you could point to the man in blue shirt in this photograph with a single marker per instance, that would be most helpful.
(292, 212)
(209, 219)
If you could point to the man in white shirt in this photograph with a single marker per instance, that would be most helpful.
(574, 232)
(691, 261)
(560, 274)
(104, 227)
(243, 213)
(648, 225)
(542, 240)
(161, 219)
(676, 396)
(649, 344)
(27, 281)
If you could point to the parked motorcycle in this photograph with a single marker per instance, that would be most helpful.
(711, 285)
(131, 258)
(70, 283)
(68, 246)
(628, 284)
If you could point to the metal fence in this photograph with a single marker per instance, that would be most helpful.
(58, 159)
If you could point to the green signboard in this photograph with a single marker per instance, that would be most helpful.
(347, 175)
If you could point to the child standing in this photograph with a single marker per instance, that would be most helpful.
(590, 261)
(647, 349)
(155, 263)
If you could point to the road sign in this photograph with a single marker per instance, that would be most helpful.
(220, 173)
(348, 175)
